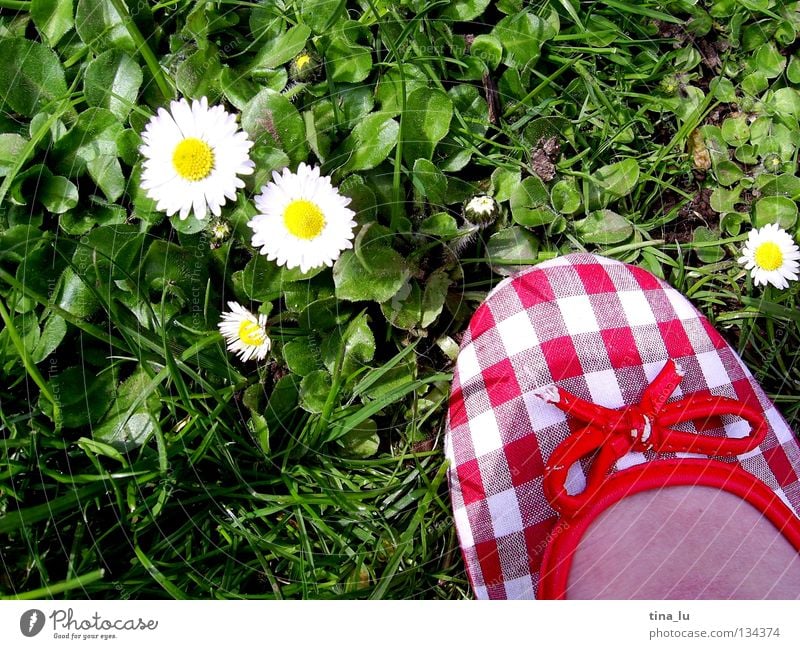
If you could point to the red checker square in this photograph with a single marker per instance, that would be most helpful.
(537, 539)
(458, 409)
(621, 347)
(716, 340)
(595, 279)
(471, 482)
(745, 392)
(524, 459)
(780, 465)
(501, 383)
(489, 559)
(562, 358)
(482, 321)
(647, 281)
(675, 339)
(533, 288)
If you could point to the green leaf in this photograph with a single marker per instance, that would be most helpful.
(434, 296)
(388, 271)
(314, 390)
(349, 63)
(769, 61)
(53, 18)
(198, 75)
(101, 27)
(281, 49)
(429, 181)
(618, 179)
(775, 209)
(126, 432)
(359, 346)
(511, 248)
(57, 194)
(82, 396)
(724, 200)
(488, 49)
(369, 144)
(29, 88)
(427, 120)
(404, 310)
(604, 227)
(320, 14)
(504, 181)
(707, 254)
(735, 131)
(11, 146)
(465, 9)
(271, 119)
(361, 442)
(565, 197)
(106, 172)
(521, 35)
(53, 333)
(302, 356)
(94, 134)
(728, 173)
(530, 203)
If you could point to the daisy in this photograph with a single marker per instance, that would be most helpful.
(770, 254)
(303, 220)
(245, 333)
(193, 157)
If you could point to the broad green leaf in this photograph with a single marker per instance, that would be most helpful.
(101, 27)
(281, 49)
(53, 18)
(521, 35)
(198, 75)
(404, 310)
(349, 63)
(775, 209)
(359, 346)
(504, 182)
(83, 397)
(735, 131)
(488, 49)
(57, 194)
(31, 76)
(604, 227)
(618, 179)
(126, 432)
(94, 134)
(320, 14)
(53, 333)
(430, 183)
(769, 61)
(380, 282)
(510, 249)
(434, 296)
(440, 224)
(530, 203)
(271, 119)
(427, 120)
(465, 9)
(707, 254)
(369, 144)
(565, 197)
(302, 356)
(361, 442)
(106, 172)
(11, 146)
(314, 390)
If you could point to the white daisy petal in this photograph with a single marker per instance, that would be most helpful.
(303, 221)
(193, 155)
(771, 255)
(244, 333)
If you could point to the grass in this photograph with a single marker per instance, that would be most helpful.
(139, 460)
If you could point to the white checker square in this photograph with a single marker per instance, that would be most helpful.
(468, 366)
(738, 429)
(463, 527)
(541, 413)
(504, 510)
(683, 308)
(578, 314)
(629, 460)
(637, 308)
(713, 369)
(782, 431)
(484, 433)
(604, 388)
(517, 333)
(576, 481)
(521, 588)
(481, 592)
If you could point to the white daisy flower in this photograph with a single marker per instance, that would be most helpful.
(303, 220)
(481, 210)
(193, 157)
(245, 333)
(770, 254)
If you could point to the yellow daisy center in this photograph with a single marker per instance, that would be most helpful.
(768, 256)
(193, 159)
(304, 219)
(302, 61)
(251, 333)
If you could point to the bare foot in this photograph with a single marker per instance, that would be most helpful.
(684, 543)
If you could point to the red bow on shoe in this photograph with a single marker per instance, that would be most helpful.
(639, 427)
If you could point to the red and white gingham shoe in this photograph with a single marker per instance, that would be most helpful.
(585, 354)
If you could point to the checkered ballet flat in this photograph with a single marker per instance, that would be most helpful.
(583, 380)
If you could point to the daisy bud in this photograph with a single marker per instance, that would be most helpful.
(481, 210)
(304, 67)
